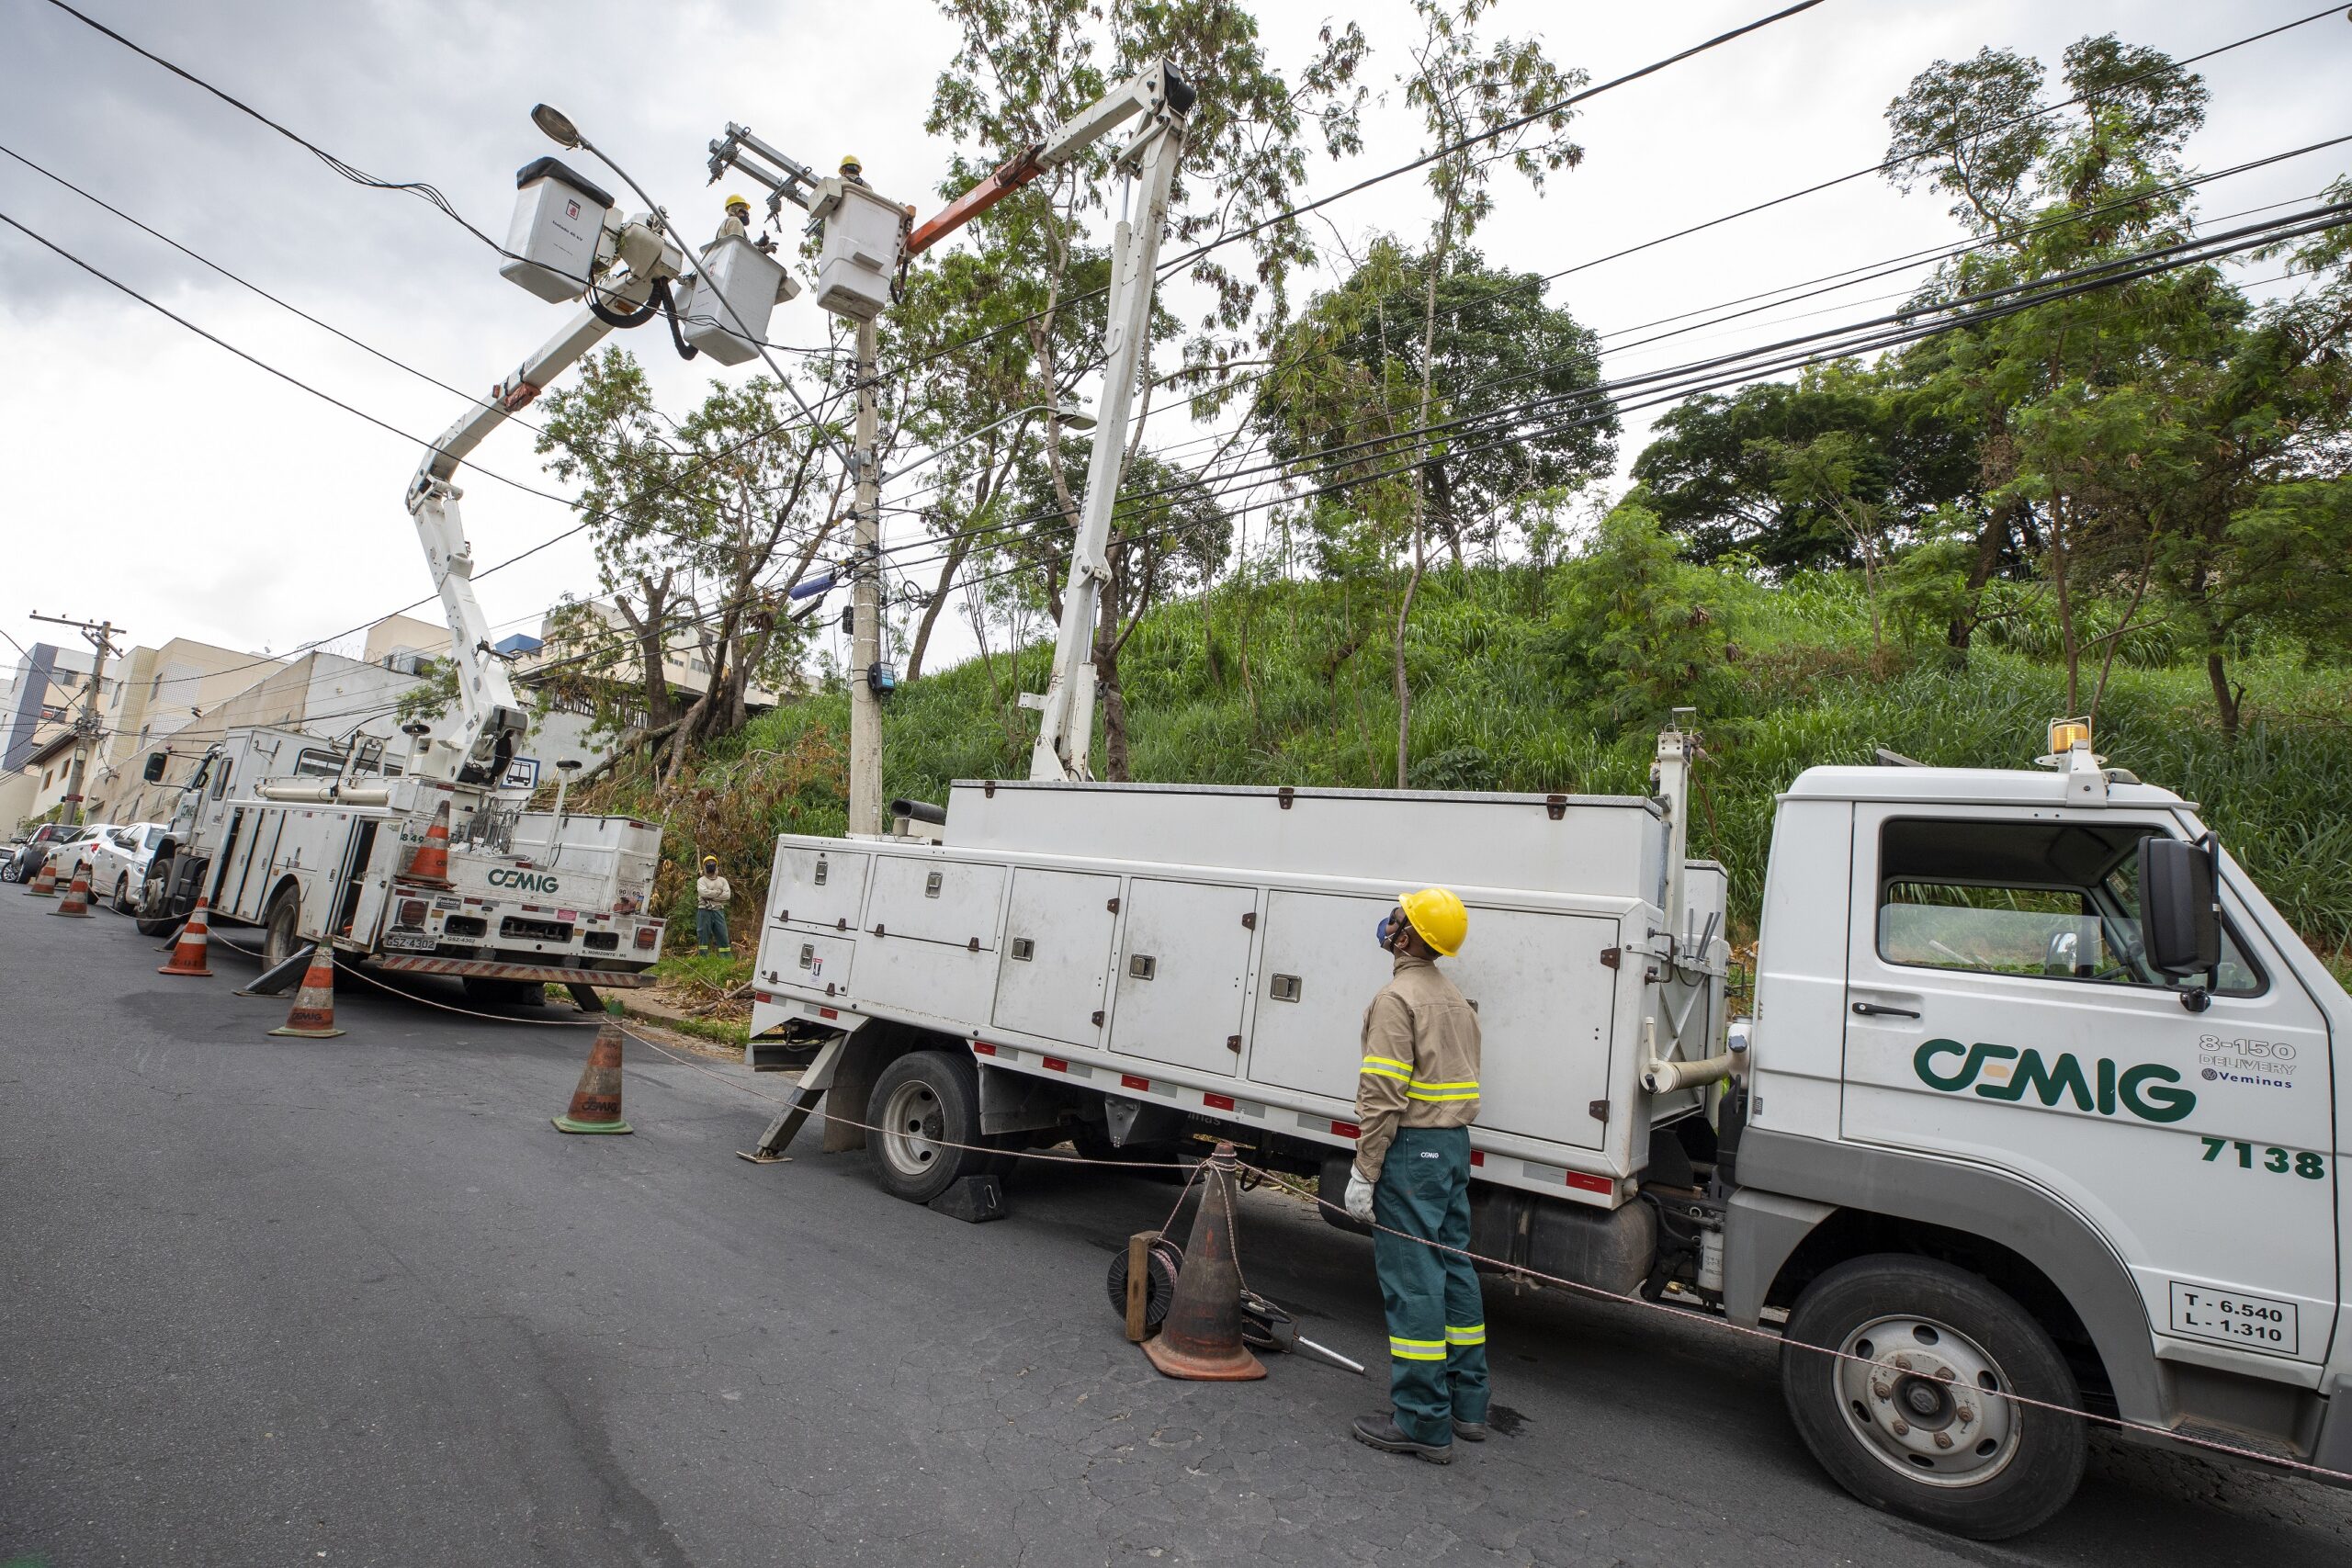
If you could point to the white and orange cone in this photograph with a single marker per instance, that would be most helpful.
(195, 945)
(44, 884)
(77, 894)
(312, 1014)
(430, 865)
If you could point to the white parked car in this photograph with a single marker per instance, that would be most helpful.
(117, 859)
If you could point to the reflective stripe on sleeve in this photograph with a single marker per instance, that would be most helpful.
(1417, 1089)
(1417, 1349)
(1474, 1335)
(1381, 1066)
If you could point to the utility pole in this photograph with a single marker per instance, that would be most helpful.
(866, 600)
(101, 636)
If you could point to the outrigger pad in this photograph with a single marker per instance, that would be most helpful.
(971, 1199)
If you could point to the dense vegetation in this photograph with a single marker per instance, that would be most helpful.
(1519, 686)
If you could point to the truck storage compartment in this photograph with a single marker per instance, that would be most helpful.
(1057, 954)
(817, 887)
(1180, 987)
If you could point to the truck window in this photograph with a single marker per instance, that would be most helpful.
(2057, 901)
(312, 763)
(221, 777)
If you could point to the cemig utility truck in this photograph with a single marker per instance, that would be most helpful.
(2039, 1097)
(320, 844)
(315, 840)
(2038, 1102)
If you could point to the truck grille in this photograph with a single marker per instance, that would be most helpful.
(516, 927)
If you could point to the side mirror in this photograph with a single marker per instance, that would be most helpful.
(155, 764)
(2180, 922)
(2063, 953)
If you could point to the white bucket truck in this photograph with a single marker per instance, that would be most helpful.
(2039, 1098)
(318, 843)
(315, 840)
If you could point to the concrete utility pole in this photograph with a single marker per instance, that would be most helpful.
(100, 635)
(866, 601)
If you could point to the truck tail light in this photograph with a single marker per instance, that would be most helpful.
(647, 935)
(411, 912)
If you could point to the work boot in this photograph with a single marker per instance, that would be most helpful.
(1380, 1432)
(1470, 1431)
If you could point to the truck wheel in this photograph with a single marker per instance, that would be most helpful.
(153, 908)
(278, 924)
(923, 1102)
(1914, 1422)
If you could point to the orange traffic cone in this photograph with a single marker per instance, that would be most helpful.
(596, 1103)
(313, 1015)
(195, 943)
(44, 885)
(1201, 1337)
(77, 894)
(430, 865)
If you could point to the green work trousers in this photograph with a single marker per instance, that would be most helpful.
(1437, 1319)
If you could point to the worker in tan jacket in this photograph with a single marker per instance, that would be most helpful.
(1415, 1098)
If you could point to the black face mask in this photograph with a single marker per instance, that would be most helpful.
(1391, 925)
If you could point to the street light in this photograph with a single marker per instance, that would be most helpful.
(1069, 416)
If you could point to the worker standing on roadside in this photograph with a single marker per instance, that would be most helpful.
(711, 893)
(1415, 1098)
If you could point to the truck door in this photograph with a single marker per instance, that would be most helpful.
(1999, 1011)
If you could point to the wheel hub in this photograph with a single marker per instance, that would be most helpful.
(1926, 1400)
(912, 1123)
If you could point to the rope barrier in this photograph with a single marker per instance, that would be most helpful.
(1283, 1183)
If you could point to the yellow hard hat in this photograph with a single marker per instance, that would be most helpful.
(852, 165)
(1439, 918)
(735, 200)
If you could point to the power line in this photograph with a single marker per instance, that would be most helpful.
(1876, 335)
(414, 188)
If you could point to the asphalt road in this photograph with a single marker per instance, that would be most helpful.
(355, 1302)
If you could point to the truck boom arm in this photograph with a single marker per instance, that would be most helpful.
(492, 721)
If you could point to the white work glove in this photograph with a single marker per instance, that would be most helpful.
(1359, 1197)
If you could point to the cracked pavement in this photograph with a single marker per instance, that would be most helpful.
(355, 1302)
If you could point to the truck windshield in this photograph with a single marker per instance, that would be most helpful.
(2056, 899)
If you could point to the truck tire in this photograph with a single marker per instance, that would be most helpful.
(280, 926)
(923, 1101)
(153, 908)
(1917, 1426)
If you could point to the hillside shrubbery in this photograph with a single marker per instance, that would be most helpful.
(1557, 679)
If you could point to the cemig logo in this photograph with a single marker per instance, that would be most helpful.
(523, 881)
(2144, 1089)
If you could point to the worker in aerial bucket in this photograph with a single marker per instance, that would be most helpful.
(1416, 1097)
(738, 222)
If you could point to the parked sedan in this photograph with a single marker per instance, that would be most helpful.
(118, 858)
(47, 839)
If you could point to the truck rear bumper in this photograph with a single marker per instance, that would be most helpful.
(415, 964)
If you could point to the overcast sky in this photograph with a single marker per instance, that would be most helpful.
(162, 482)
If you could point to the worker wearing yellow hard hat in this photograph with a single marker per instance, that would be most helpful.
(1416, 1095)
(738, 221)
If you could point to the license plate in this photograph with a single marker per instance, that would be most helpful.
(404, 944)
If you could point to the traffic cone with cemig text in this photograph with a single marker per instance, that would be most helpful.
(596, 1103)
(195, 944)
(77, 894)
(313, 1015)
(44, 885)
(1201, 1337)
(430, 865)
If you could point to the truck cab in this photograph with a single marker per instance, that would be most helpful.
(1967, 1053)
